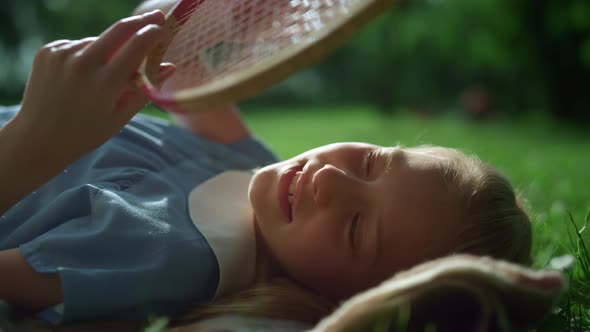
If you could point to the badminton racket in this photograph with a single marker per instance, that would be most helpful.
(228, 50)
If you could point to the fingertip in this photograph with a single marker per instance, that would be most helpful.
(167, 66)
(167, 69)
(161, 16)
(158, 16)
(132, 53)
(148, 29)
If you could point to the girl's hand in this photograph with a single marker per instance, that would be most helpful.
(80, 93)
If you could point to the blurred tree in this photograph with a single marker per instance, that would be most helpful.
(423, 53)
(527, 54)
(25, 25)
(560, 31)
(426, 55)
(444, 47)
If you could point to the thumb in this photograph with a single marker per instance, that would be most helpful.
(133, 99)
(167, 70)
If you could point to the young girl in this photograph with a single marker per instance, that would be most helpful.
(108, 214)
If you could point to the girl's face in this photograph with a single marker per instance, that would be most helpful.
(343, 217)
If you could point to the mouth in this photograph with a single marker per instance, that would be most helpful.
(286, 193)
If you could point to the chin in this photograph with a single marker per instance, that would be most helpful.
(251, 188)
(257, 185)
(260, 194)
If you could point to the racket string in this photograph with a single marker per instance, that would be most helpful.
(221, 37)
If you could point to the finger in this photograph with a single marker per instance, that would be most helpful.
(48, 51)
(57, 43)
(167, 69)
(134, 99)
(77, 45)
(112, 39)
(125, 63)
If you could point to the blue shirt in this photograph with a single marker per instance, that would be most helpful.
(115, 223)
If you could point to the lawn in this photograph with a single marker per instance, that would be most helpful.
(549, 164)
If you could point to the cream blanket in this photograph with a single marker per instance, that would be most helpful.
(455, 293)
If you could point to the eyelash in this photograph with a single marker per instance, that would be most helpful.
(353, 229)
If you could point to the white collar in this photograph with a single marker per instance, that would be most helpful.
(221, 210)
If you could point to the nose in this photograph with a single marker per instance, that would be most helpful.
(332, 185)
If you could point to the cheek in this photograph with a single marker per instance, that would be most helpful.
(316, 257)
(316, 238)
(319, 232)
(314, 245)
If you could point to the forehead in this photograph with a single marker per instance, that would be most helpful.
(418, 212)
(415, 183)
(342, 147)
(426, 158)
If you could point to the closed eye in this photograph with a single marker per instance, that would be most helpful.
(353, 230)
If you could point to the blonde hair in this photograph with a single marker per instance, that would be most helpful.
(279, 298)
(494, 224)
(494, 221)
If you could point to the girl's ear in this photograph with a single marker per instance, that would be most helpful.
(149, 5)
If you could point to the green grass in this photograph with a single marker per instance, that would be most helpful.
(549, 164)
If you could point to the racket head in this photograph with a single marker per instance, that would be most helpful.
(228, 50)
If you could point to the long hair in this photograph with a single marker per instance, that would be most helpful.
(278, 298)
(494, 222)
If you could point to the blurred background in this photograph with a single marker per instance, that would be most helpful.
(507, 80)
(479, 58)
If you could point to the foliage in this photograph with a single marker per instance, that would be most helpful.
(429, 51)
(424, 54)
(25, 25)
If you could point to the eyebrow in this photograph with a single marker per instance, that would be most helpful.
(390, 155)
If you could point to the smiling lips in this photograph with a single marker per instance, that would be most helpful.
(287, 186)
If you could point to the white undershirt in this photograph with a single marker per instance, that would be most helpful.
(220, 209)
